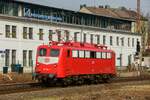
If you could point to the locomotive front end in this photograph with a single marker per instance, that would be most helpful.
(46, 63)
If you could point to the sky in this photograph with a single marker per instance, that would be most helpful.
(75, 4)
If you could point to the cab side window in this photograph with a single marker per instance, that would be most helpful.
(104, 55)
(75, 53)
(98, 55)
(81, 54)
(108, 55)
(68, 53)
(54, 52)
(92, 54)
(42, 52)
(87, 54)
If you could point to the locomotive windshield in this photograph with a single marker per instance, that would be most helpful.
(42, 52)
(54, 52)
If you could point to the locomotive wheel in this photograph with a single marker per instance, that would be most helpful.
(87, 81)
(106, 78)
(63, 82)
(80, 81)
(44, 81)
(47, 81)
(92, 79)
(96, 79)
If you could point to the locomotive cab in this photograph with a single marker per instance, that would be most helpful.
(46, 62)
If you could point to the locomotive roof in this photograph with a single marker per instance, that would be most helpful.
(77, 45)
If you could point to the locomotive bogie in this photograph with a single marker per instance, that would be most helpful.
(76, 80)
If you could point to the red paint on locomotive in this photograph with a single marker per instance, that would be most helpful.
(61, 60)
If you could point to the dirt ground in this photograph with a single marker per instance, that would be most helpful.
(15, 78)
(113, 91)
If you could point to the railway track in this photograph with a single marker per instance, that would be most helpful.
(19, 87)
(27, 87)
(126, 79)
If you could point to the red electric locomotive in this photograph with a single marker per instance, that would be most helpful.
(73, 61)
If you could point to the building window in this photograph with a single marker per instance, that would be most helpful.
(132, 42)
(128, 42)
(13, 56)
(8, 8)
(75, 36)
(41, 34)
(30, 33)
(58, 32)
(129, 59)
(14, 31)
(84, 37)
(111, 40)
(138, 47)
(92, 38)
(30, 57)
(117, 41)
(25, 34)
(122, 41)
(104, 39)
(50, 35)
(66, 35)
(7, 52)
(24, 57)
(7, 29)
(98, 39)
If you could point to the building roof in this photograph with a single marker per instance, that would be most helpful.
(114, 13)
(127, 14)
(102, 11)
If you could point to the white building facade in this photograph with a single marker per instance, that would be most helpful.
(20, 35)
